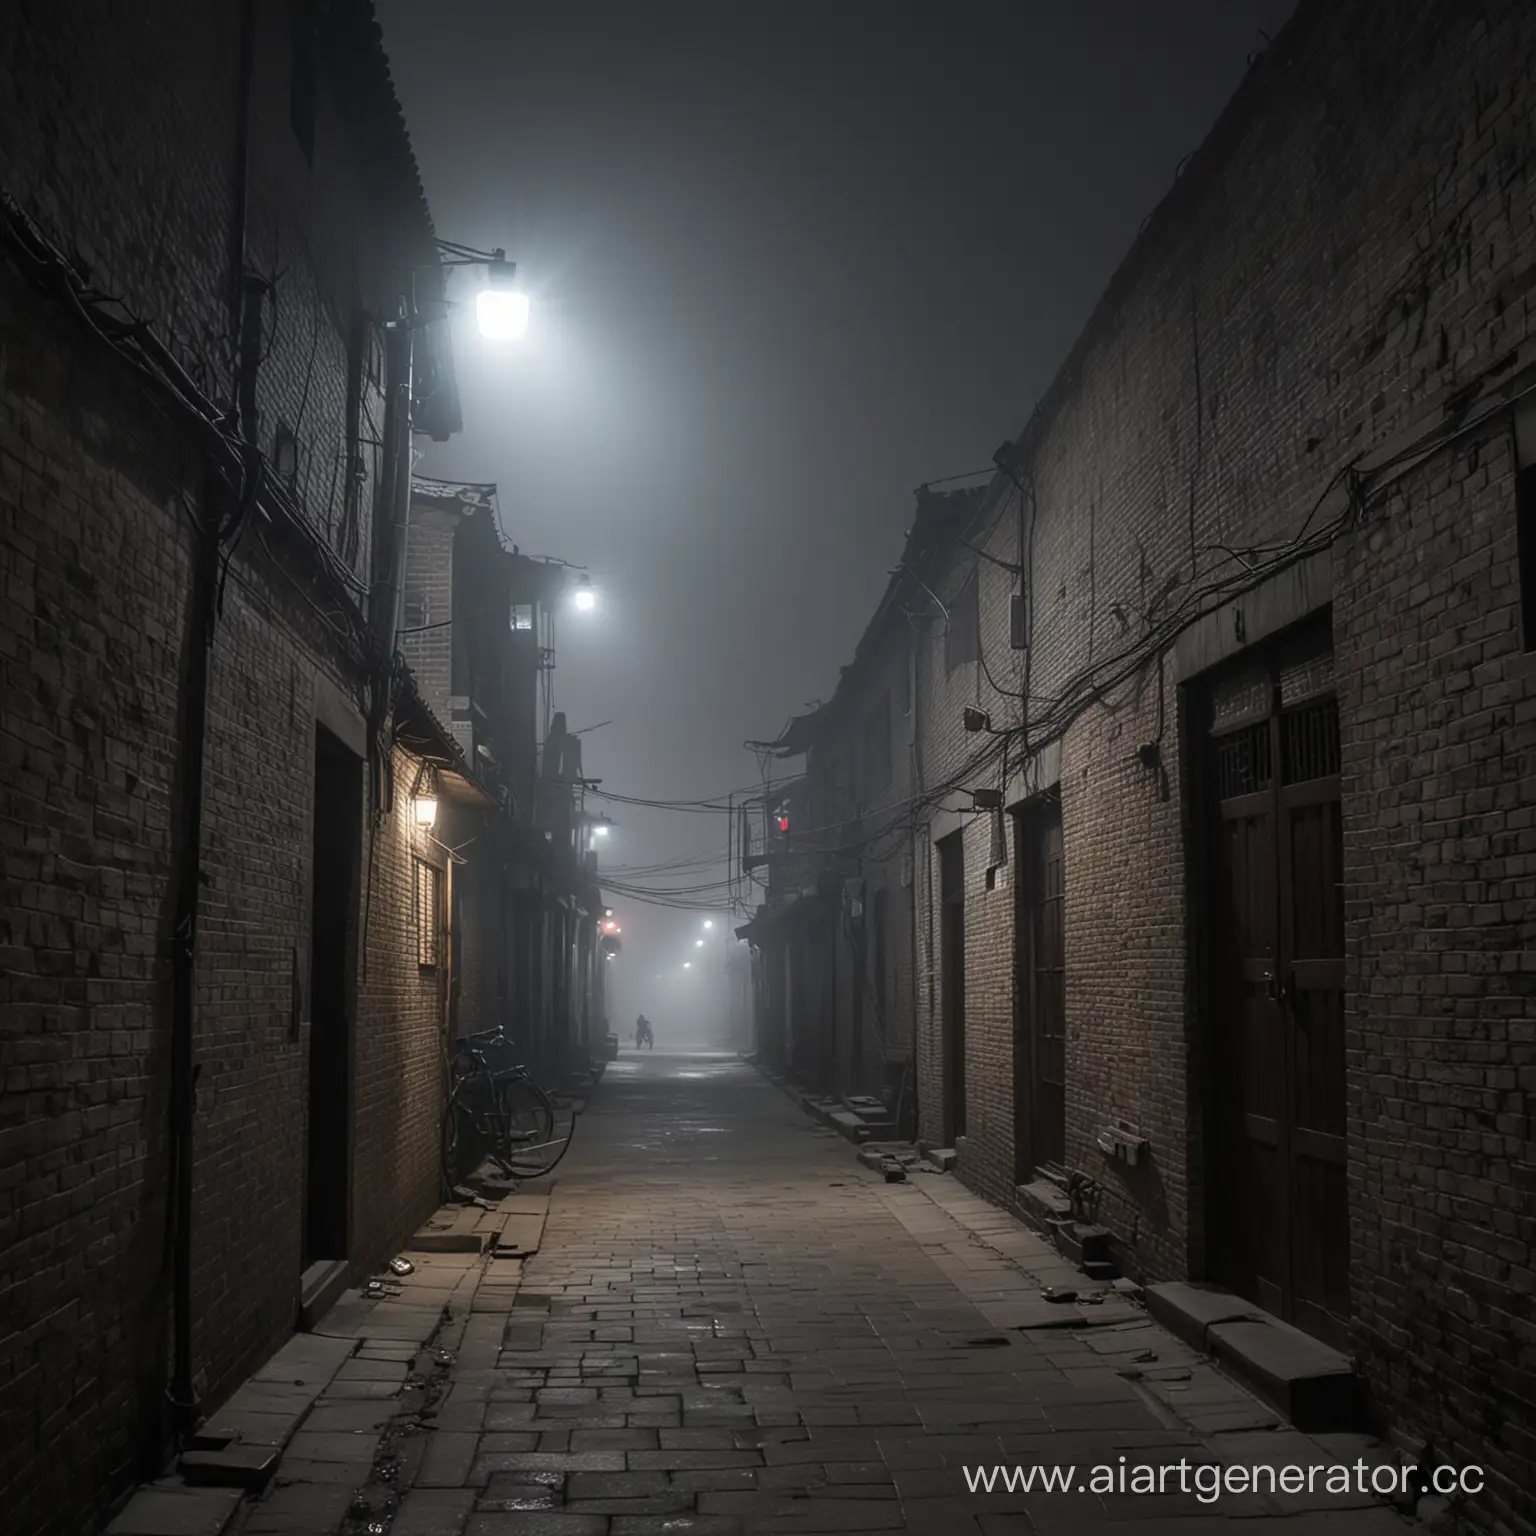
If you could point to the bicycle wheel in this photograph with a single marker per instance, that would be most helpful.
(527, 1115)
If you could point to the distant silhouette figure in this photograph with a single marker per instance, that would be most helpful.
(643, 1035)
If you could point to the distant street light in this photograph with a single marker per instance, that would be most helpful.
(584, 598)
(599, 830)
(687, 965)
(698, 943)
(709, 922)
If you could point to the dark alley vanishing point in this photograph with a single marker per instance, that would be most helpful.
(731, 1324)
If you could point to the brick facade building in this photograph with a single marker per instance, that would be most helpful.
(1239, 932)
(226, 979)
(478, 617)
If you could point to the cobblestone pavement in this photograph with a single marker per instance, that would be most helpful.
(733, 1326)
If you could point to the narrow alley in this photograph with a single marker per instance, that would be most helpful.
(732, 1325)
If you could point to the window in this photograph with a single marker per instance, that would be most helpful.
(877, 746)
(429, 914)
(522, 617)
(962, 639)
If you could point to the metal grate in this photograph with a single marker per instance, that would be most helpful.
(1242, 762)
(1306, 679)
(1309, 742)
(1239, 698)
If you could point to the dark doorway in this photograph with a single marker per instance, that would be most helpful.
(1279, 1228)
(858, 979)
(1039, 991)
(337, 847)
(952, 970)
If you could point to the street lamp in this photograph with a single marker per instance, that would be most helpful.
(687, 965)
(698, 943)
(709, 922)
(501, 308)
(424, 799)
(584, 598)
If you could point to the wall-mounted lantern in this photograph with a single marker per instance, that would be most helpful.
(424, 799)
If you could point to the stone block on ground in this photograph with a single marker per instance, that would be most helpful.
(1190, 1310)
(171, 1509)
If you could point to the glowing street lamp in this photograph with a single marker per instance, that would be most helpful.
(501, 307)
(687, 965)
(424, 800)
(584, 599)
(698, 943)
(709, 922)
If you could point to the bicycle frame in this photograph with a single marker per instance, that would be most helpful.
(491, 1102)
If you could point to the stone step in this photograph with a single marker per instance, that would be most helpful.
(320, 1286)
(1311, 1384)
(235, 1466)
(942, 1158)
(448, 1242)
(1084, 1244)
(1041, 1202)
(172, 1509)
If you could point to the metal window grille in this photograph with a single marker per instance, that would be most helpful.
(1242, 762)
(1309, 742)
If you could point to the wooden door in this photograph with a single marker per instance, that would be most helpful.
(1040, 963)
(1280, 1219)
(952, 964)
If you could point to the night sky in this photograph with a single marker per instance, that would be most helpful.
(788, 262)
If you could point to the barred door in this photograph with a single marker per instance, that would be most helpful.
(1280, 1217)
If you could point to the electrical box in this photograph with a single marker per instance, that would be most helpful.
(1018, 621)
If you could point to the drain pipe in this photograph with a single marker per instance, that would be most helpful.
(202, 611)
(392, 529)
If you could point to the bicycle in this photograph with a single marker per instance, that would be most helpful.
(501, 1110)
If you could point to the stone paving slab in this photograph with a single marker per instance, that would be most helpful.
(727, 1325)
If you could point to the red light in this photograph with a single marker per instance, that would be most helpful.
(783, 823)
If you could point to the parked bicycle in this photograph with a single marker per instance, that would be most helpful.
(500, 1112)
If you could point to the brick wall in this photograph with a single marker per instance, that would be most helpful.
(1341, 270)
(429, 602)
(1438, 847)
(119, 142)
(399, 1062)
(88, 744)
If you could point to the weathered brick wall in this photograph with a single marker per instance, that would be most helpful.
(1440, 714)
(88, 743)
(429, 602)
(399, 1081)
(1351, 249)
(119, 139)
